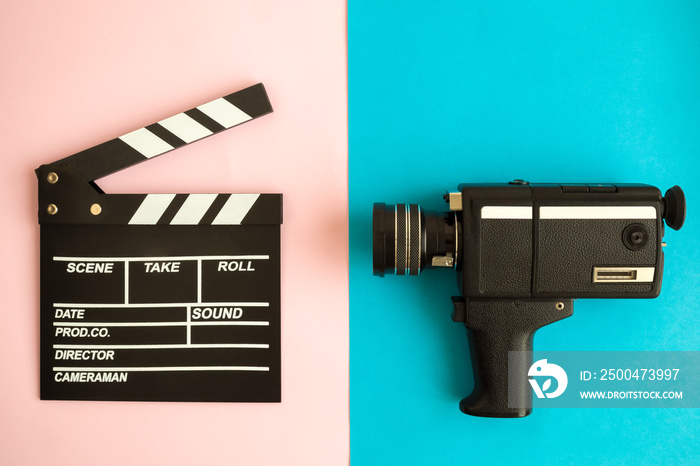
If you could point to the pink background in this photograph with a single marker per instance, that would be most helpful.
(74, 74)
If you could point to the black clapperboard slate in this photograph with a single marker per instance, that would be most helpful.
(159, 297)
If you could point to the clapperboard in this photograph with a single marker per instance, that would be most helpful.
(159, 297)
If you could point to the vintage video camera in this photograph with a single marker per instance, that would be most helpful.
(523, 252)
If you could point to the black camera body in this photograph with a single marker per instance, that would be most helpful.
(523, 252)
(559, 241)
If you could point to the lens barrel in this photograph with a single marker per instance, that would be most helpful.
(407, 239)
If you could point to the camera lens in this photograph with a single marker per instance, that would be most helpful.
(407, 239)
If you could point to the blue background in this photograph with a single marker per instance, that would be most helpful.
(445, 92)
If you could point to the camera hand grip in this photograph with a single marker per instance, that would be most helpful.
(494, 328)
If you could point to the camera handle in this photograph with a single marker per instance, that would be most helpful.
(495, 327)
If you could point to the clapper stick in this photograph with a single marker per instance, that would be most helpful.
(159, 297)
(68, 194)
(169, 133)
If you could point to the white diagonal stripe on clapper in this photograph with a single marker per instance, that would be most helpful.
(151, 209)
(194, 208)
(235, 209)
(146, 143)
(185, 128)
(224, 112)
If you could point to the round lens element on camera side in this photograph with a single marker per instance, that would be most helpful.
(635, 237)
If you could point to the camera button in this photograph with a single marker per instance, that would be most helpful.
(519, 182)
(574, 188)
(602, 188)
